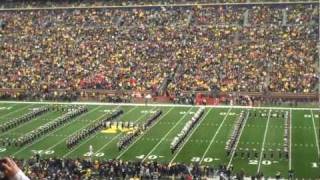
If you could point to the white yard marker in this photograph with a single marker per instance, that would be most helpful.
(236, 145)
(165, 136)
(315, 133)
(264, 140)
(290, 139)
(186, 140)
(213, 138)
(47, 135)
(145, 132)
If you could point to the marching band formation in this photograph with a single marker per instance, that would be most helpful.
(176, 142)
(253, 153)
(286, 134)
(34, 134)
(25, 118)
(230, 145)
(152, 119)
(126, 140)
(92, 129)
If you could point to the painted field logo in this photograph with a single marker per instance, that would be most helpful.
(114, 129)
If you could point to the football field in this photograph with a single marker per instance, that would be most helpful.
(258, 149)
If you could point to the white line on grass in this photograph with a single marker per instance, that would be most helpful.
(186, 140)
(264, 141)
(45, 136)
(315, 133)
(214, 136)
(15, 111)
(88, 139)
(11, 107)
(25, 124)
(145, 132)
(80, 129)
(235, 147)
(290, 139)
(165, 136)
(138, 119)
(159, 105)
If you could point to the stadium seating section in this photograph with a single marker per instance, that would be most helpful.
(237, 48)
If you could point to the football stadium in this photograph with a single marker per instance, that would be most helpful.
(184, 89)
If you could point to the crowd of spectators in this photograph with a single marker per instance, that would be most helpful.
(67, 169)
(236, 48)
(85, 3)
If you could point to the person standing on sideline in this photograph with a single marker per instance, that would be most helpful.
(90, 152)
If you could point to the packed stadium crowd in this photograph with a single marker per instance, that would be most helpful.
(84, 3)
(56, 168)
(236, 48)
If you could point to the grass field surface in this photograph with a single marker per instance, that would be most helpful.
(205, 144)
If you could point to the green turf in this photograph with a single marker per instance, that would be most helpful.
(205, 144)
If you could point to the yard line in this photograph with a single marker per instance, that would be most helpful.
(264, 141)
(235, 147)
(26, 123)
(15, 111)
(290, 140)
(315, 133)
(37, 140)
(82, 143)
(165, 136)
(12, 106)
(95, 109)
(214, 136)
(138, 119)
(186, 140)
(145, 132)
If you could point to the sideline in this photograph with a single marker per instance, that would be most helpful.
(156, 105)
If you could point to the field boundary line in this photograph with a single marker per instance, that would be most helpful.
(95, 109)
(145, 132)
(159, 105)
(186, 140)
(137, 120)
(264, 140)
(45, 136)
(164, 137)
(214, 136)
(315, 133)
(85, 141)
(235, 147)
